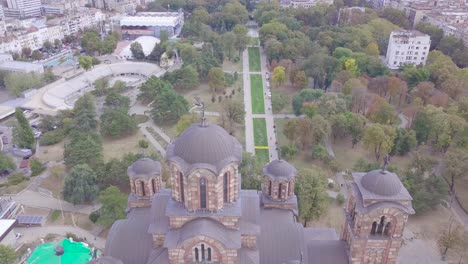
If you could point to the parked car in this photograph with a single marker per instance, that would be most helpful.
(5, 140)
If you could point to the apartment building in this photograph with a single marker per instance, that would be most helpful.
(304, 3)
(25, 8)
(407, 47)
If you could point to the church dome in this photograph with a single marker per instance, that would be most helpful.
(280, 169)
(209, 144)
(145, 167)
(380, 182)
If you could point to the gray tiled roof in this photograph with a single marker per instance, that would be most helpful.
(381, 182)
(158, 256)
(279, 169)
(318, 233)
(402, 195)
(159, 223)
(249, 222)
(144, 167)
(230, 238)
(281, 238)
(327, 251)
(209, 147)
(248, 256)
(128, 239)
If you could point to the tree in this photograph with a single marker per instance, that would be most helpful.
(379, 138)
(84, 148)
(6, 162)
(456, 166)
(278, 77)
(229, 43)
(242, 39)
(397, 17)
(331, 104)
(26, 52)
(115, 100)
(185, 78)
(422, 126)
(381, 111)
(290, 130)
(19, 82)
(232, 113)
(306, 95)
(117, 123)
(312, 196)
(320, 129)
(36, 55)
(156, 53)
(216, 79)
(405, 140)
(57, 43)
(434, 32)
(80, 185)
(278, 101)
(23, 135)
(137, 51)
(414, 75)
(424, 91)
(47, 45)
(304, 133)
(300, 80)
(7, 255)
(185, 121)
(86, 62)
(90, 42)
(338, 125)
(113, 206)
(250, 169)
(451, 237)
(356, 124)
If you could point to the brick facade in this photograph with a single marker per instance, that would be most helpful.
(185, 252)
(374, 236)
(249, 241)
(144, 190)
(214, 187)
(287, 188)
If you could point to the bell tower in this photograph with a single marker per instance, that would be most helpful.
(376, 214)
(145, 181)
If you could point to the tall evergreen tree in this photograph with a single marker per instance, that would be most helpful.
(23, 135)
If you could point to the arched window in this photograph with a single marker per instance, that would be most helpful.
(202, 193)
(202, 253)
(181, 188)
(225, 187)
(153, 184)
(280, 189)
(374, 227)
(269, 187)
(142, 186)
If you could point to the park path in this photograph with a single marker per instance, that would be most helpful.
(144, 129)
(269, 117)
(404, 121)
(249, 133)
(37, 200)
(33, 234)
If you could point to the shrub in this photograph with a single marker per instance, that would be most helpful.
(340, 199)
(213, 98)
(16, 178)
(220, 98)
(36, 167)
(74, 237)
(332, 164)
(319, 152)
(52, 137)
(331, 185)
(288, 152)
(94, 216)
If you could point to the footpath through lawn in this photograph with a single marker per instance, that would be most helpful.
(256, 90)
(261, 139)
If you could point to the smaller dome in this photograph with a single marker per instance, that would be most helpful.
(280, 169)
(146, 167)
(381, 182)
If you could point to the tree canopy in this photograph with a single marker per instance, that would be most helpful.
(80, 185)
(312, 196)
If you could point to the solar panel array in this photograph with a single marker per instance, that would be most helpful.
(30, 219)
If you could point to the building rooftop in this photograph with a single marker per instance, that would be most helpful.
(153, 19)
(407, 34)
(6, 225)
(21, 65)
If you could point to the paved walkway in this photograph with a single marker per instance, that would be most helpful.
(269, 117)
(33, 234)
(249, 133)
(404, 121)
(34, 199)
(144, 129)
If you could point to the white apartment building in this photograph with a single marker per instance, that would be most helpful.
(27, 8)
(407, 47)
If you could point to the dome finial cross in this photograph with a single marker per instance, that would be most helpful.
(201, 105)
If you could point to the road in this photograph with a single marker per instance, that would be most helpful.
(33, 234)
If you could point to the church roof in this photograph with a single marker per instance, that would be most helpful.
(381, 182)
(372, 186)
(280, 169)
(230, 238)
(208, 146)
(144, 167)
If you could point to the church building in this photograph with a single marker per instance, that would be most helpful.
(205, 216)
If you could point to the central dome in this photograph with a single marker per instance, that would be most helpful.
(380, 182)
(208, 144)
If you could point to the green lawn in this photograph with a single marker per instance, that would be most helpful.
(262, 156)
(256, 91)
(260, 132)
(254, 59)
